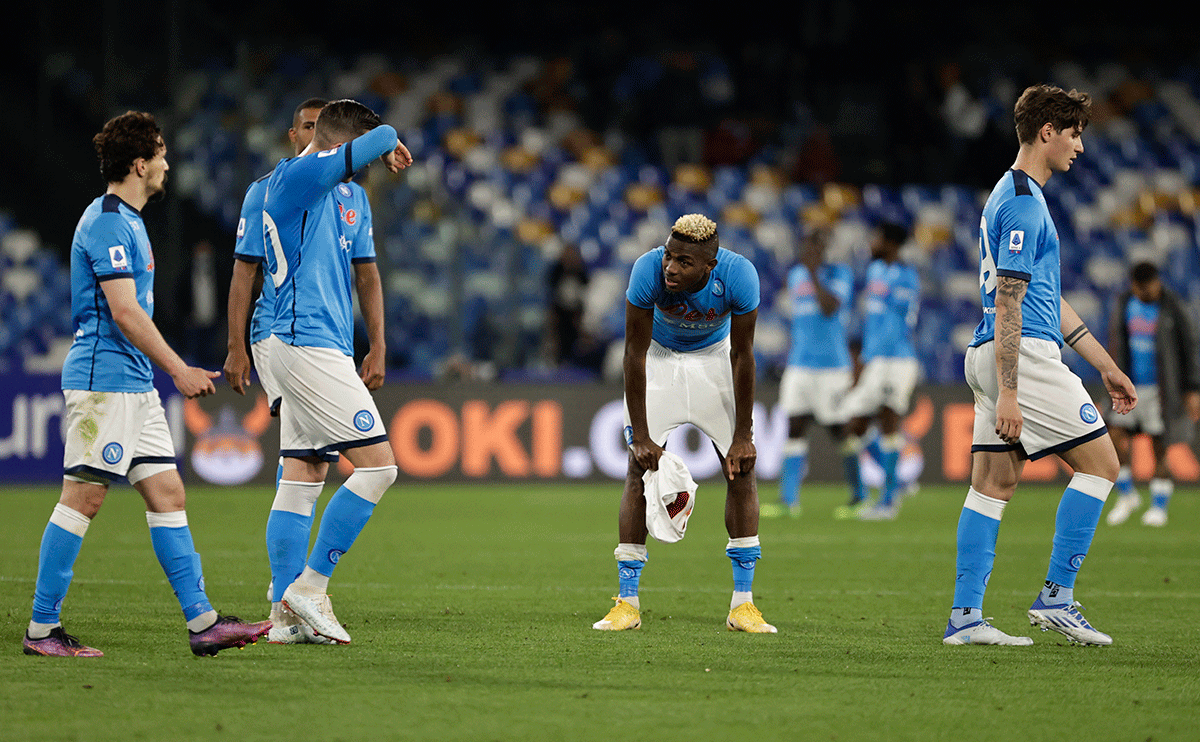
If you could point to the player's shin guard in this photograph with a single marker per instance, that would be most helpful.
(347, 514)
(630, 560)
(978, 527)
(289, 527)
(743, 554)
(172, 541)
(1075, 526)
(61, 542)
(793, 471)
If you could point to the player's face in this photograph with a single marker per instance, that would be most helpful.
(686, 267)
(301, 134)
(156, 173)
(1148, 292)
(1064, 147)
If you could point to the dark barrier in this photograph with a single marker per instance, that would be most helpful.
(502, 432)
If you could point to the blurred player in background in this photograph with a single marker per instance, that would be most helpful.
(1028, 403)
(1151, 335)
(819, 372)
(689, 358)
(890, 370)
(115, 427)
(325, 405)
(289, 525)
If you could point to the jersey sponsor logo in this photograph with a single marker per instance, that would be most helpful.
(1088, 413)
(1016, 240)
(328, 152)
(350, 216)
(112, 453)
(364, 420)
(118, 257)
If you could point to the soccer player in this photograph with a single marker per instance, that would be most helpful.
(115, 427)
(690, 312)
(1152, 336)
(819, 372)
(290, 522)
(890, 370)
(1028, 403)
(325, 407)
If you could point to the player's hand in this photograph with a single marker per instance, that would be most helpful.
(373, 370)
(237, 370)
(740, 459)
(1009, 420)
(397, 159)
(646, 453)
(1121, 389)
(195, 382)
(1191, 403)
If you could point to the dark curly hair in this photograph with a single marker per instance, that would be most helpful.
(124, 139)
(1046, 104)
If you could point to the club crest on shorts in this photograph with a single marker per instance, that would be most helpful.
(112, 453)
(1088, 413)
(364, 420)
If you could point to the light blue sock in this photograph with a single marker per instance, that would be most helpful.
(1160, 492)
(853, 469)
(629, 574)
(289, 529)
(793, 471)
(1125, 482)
(344, 518)
(978, 527)
(1075, 526)
(61, 542)
(743, 558)
(172, 541)
(889, 459)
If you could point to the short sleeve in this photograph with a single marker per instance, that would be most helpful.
(840, 283)
(110, 247)
(645, 280)
(1021, 221)
(249, 243)
(742, 284)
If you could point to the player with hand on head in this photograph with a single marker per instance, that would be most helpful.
(819, 371)
(1152, 336)
(326, 406)
(690, 312)
(1028, 403)
(115, 426)
(290, 522)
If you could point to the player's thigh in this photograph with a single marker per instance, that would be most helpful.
(795, 391)
(162, 492)
(666, 396)
(371, 456)
(1097, 457)
(899, 380)
(712, 399)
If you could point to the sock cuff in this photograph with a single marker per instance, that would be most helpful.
(631, 553)
(746, 542)
(1125, 472)
(370, 483)
(176, 519)
(1091, 485)
(853, 445)
(297, 497)
(988, 507)
(795, 447)
(70, 520)
(891, 443)
(1161, 486)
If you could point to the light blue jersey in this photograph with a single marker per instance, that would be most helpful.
(693, 321)
(308, 241)
(110, 243)
(1017, 239)
(355, 212)
(818, 340)
(1141, 319)
(893, 294)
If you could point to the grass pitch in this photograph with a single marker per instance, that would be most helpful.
(470, 608)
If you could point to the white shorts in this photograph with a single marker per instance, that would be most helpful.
(114, 436)
(884, 382)
(326, 407)
(1147, 417)
(689, 387)
(1057, 411)
(262, 364)
(819, 392)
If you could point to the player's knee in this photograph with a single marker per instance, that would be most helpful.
(370, 483)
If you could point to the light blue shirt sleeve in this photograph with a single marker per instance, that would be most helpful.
(110, 247)
(1021, 223)
(248, 245)
(314, 175)
(742, 283)
(645, 280)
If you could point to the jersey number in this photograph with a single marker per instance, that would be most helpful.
(987, 264)
(277, 267)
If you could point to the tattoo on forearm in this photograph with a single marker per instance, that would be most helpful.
(1010, 292)
(1076, 335)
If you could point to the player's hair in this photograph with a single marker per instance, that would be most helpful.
(893, 232)
(342, 120)
(132, 135)
(317, 103)
(696, 229)
(1042, 104)
(1143, 272)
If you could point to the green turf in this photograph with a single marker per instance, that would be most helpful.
(471, 607)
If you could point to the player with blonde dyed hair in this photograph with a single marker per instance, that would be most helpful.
(690, 313)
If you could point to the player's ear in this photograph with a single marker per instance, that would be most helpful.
(1047, 131)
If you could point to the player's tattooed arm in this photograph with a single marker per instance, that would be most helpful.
(1010, 292)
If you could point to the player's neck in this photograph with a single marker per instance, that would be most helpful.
(1030, 162)
(132, 191)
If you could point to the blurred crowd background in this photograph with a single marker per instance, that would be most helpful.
(554, 144)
